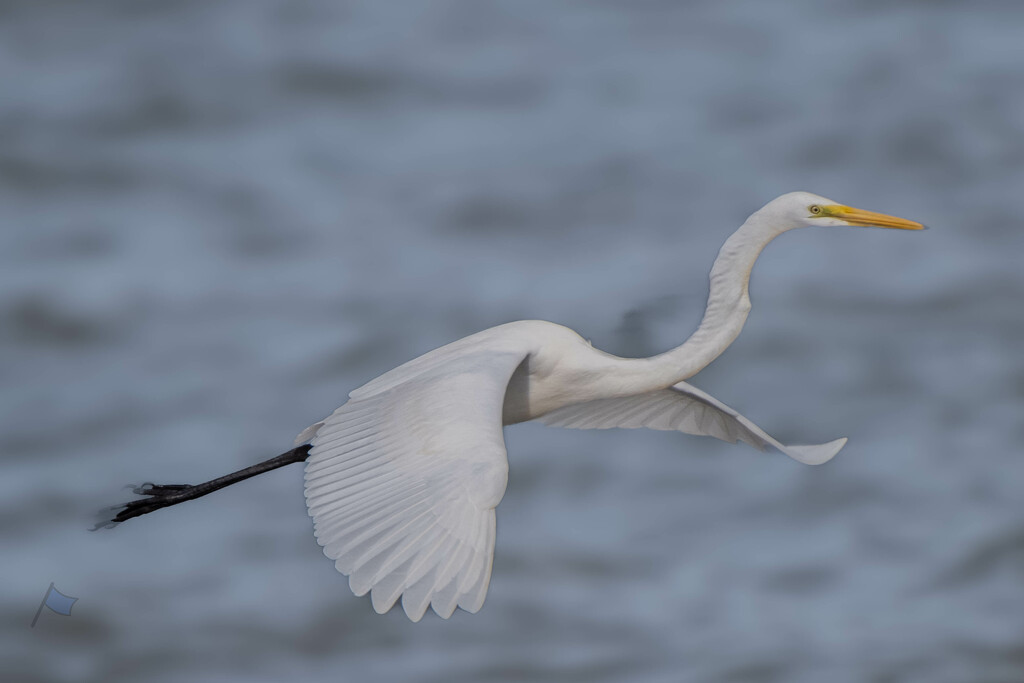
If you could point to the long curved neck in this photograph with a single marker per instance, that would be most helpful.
(728, 304)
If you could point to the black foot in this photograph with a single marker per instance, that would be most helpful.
(157, 496)
(161, 496)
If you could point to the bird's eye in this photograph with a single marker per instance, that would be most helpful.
(815, 209)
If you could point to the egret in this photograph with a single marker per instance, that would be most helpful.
(403, 479)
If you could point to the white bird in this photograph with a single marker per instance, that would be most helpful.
(403, 479)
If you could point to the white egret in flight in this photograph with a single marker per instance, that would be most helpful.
(402, 480)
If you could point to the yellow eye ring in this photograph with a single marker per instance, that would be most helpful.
(815, 209)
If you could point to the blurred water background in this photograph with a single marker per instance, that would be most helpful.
(219, 216)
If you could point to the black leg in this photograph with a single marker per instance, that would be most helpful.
(161, 496)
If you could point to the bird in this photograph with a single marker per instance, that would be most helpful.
(403, 479)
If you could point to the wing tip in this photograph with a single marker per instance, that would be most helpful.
(816, 454)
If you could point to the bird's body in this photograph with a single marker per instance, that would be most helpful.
(558, 367)
(403, 479)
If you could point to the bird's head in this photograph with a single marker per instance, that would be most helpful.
(803, 209)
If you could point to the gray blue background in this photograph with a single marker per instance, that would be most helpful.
(217, 217)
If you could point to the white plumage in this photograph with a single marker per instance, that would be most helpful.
(403, 479)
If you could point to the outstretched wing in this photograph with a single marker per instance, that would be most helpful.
(682, 408)
(402, 482)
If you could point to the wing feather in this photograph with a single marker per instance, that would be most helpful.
(402, 481)
(387, 591)
(682, 408)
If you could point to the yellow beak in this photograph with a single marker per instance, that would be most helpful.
(861, 217)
